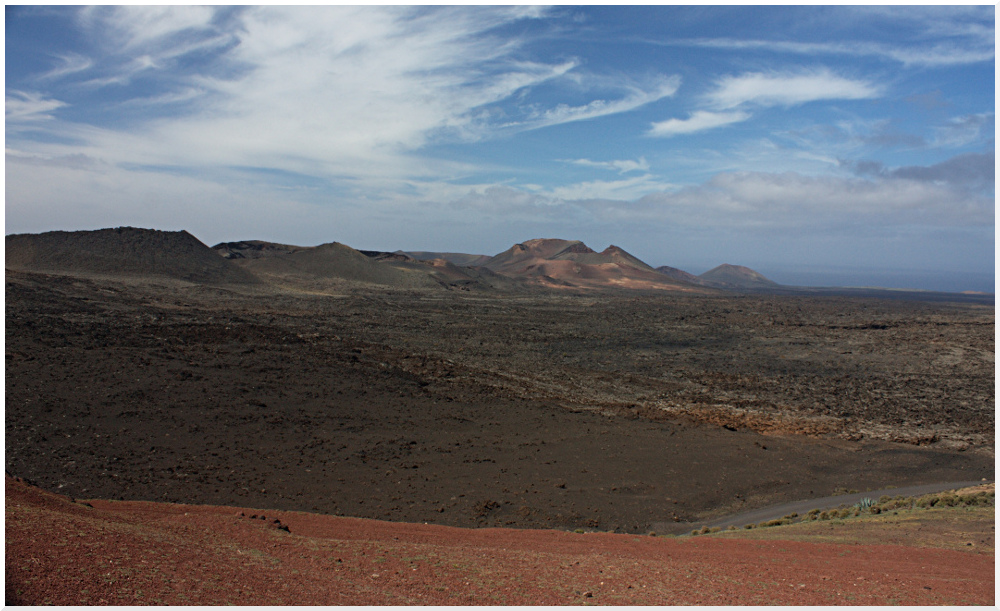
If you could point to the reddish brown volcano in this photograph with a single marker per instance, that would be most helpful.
(572, 264)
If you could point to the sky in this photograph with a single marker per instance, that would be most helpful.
(818, 145)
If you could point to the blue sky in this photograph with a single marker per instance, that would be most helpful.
(809, 143)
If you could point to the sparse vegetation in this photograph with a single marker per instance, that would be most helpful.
(885, 504)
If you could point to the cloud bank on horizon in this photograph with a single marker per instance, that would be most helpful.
(692, 136)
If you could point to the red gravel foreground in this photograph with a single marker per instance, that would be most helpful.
(68, 553)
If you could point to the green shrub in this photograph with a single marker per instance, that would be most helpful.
(864, 504)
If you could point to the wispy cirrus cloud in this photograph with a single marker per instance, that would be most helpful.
(699, 120)
(634, 98)
(624, 189)
(350, 92)
(172, 97)
(733, 96)
(788, 89)
(139, 26)
(622, 166)
(935, 56)
(922, 36)
(25, 107)
(69, 63)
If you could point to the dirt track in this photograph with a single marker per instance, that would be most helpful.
(605, 413)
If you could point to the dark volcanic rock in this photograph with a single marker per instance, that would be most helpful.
(520, 410)
(123, 252)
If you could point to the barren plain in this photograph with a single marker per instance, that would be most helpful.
(600, 411)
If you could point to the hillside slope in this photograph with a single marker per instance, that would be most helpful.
(122, 252)
(63, 552)
(333, 261)
(679, 274)
(736, 277)
(457, 258)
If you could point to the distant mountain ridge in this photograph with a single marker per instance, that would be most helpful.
(543, 263)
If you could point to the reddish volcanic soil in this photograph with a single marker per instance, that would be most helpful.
(111, 553)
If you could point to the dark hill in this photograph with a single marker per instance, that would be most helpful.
(253, 249)
(736, 277)
(679, 274)
(456, 258)
(337, 261)
(326, 261)
(122, 252)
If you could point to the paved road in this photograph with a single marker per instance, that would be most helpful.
(801, 507)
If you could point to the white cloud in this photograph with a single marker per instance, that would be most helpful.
(936, 56)
(787, 201)
(625, 189)
(698, 121)
(28, 107)
(69, 64)
(173, 97)
(794, 201)
(350, 94)
(636, 98)
(136, 26)
(960, 131)
(788, 89)
(622, 166)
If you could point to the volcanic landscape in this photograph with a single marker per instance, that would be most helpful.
(549, 386)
